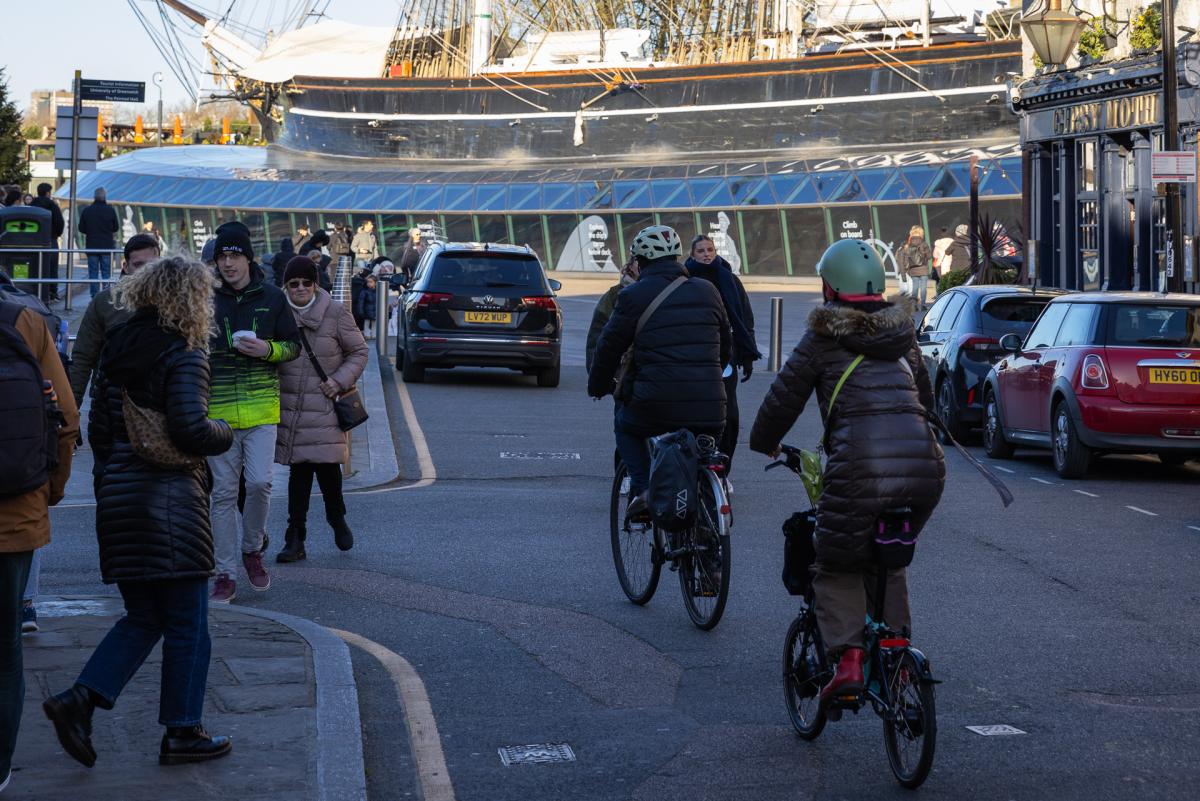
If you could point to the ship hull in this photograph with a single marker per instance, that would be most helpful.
(856, 102)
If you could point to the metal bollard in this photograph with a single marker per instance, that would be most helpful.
(381, 316)
(775, 359)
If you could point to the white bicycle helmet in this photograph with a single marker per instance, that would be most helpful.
(656, 242)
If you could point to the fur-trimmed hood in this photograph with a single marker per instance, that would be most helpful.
(886, 333)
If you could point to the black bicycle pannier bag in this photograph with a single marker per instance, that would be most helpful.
(674, 466)
(799, 552)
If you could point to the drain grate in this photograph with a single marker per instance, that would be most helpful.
(536, 754)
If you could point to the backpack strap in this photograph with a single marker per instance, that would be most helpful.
(658, 301)
(841, 381)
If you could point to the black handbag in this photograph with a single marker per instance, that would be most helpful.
(348, 406)
(799, 551)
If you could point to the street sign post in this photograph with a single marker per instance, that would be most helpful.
(116, 91)
(1173, 167)
(87, 149)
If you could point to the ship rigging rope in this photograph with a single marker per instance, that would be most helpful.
(513, 94)
(870, 51)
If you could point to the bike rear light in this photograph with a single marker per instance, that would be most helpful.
(541, 302)
(1093, 375)
(427, 299)
(971, 396)
(972, 342)
(725, 509)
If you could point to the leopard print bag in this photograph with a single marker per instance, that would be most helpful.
(147, 430)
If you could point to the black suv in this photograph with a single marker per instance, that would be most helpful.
(480, 305)
(960, 341)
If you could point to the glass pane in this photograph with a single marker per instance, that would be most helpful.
(829, 184)
(756, 192)
(200, 222)
(524, 196)
(631, 224)
(258, 229)
(1078, 325)
(852, 222)
(896, 188)
(851, 191)
(784, 186)
(427, 197)
(459, 228)
(684, 223)
(595, 194)
(492, 227)
(561, 227)
(895, 220)
(489, 197)
(919, 176)
(340, 196)
(558, 196)
(948, 216)
(288, 195)
(458, 197)
(716, 194)
(1046, 328)
(589, 246)
(669, 193)
(527, 230)
(368, 198)
(395, 197)
(722, 227)
(631, 194)
(873, 180)
(944, 186)
(1085, 169)
(764, 243)
(175, 231)
(279, 227)
(393, 234)
(806, 238)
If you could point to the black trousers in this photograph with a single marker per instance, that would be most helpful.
(49, 269)
(732, 421)
(329, 479)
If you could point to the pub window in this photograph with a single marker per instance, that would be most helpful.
(1086, 165)
(1089, 225)
(1158, 236)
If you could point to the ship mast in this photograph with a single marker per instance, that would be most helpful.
(481, 36)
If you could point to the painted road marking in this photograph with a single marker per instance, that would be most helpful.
(423, 735)
(562, 456)
(1143, 511)
(536, 754)
(1042, 481)
(1194, 528)
(1085, 492)
(1001, 469)
(995, 729)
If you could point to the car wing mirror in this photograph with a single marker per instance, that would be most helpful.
(1011, 343)
(555, 285)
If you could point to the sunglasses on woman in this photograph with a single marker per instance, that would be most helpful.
(299, 282)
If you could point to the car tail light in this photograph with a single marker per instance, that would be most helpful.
(1093, 375)
(427, 299)
(972, 342)
(541, 302)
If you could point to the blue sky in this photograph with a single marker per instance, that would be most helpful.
(105, 40)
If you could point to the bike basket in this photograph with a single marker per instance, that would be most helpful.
(799, 553)
(894, 544)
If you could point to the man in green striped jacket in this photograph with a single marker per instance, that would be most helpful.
(255, 332)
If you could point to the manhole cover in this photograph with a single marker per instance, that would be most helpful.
(995, 730)
(536, 754)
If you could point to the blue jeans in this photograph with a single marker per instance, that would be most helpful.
(35, 573)
(635, 453)
(99, 266)
(175, 611)
(14, 572)
(920, 289)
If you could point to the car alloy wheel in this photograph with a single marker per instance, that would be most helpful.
(1071, 457)
(994, 442)
(1062, 438)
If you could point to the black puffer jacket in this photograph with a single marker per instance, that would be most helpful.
(153, 523)
(733, 295)
(882, 453)
(678, 356)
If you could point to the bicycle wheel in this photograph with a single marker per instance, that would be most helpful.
(910, 722)
(634, 553)
(804, 673)
(704, 565)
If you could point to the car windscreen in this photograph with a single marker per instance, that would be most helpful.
(1154, 324)
(486, 270)
(1012, 315)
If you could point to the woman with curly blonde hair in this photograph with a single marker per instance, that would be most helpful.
(152, 520)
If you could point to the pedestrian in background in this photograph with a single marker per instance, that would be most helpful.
(43, 200)
(913, 261)
(302, 235)
(280, 260)
(365, 305)
(255, 333)
(604, 309)
(149, 229)
(364, 245)
(12, 195)
(412, 254)
(30, 357)
(152, 520)
(339, 242)
(309, 439)
(98, 223)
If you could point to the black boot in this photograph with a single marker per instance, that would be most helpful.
(343, 537)
(183, 744)
(71, 714)
(293, 545)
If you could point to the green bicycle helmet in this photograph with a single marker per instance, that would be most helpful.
(852, 267)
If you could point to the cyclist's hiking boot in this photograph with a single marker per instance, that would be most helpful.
(637, 511)
(293, 545)
(708, 583)
(847, 682)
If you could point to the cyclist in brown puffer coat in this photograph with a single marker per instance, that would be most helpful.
(881, 451)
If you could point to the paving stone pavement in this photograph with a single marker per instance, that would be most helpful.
(261, 691)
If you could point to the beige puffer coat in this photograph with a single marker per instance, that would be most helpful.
(308, 427)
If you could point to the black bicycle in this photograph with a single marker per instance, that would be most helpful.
(699, 554)
(897, 680)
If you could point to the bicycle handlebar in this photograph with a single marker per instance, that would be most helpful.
(791, 459)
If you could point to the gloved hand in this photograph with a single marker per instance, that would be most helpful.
(747, 370)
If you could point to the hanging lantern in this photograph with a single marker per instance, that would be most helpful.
(1052, 32)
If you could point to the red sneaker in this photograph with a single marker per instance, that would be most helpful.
(224, 590)
(259, 580)
(848, 679)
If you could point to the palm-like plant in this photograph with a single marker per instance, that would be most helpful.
(997, 243)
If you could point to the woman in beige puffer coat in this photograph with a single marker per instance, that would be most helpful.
(309, 439)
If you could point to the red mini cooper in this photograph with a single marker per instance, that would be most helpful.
(1100, 372)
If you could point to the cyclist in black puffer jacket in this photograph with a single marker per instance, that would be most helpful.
(152, 523)
(678, 356)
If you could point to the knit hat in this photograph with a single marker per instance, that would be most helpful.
(300, 267)
(208, 253)
(234, 240)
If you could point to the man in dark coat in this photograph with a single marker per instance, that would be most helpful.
(98, 223)
(881, 452)
(43, 200)
(675, 377)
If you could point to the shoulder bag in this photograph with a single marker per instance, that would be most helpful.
(625, 369)
(348, 406)
(147, 430)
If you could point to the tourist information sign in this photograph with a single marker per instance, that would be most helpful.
(116, 91)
